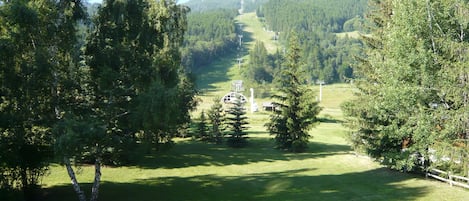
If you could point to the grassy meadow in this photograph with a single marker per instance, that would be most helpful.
(197, 171)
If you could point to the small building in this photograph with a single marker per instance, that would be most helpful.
(268, 106)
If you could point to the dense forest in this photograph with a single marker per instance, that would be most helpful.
(311, 16)
(212, 30)
(327, 57)
(210, 35)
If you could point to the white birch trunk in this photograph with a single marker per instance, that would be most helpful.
(97, 180)
(76, 186)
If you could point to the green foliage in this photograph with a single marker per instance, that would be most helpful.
(202, 127)
(162, 110)
(237, 122)
(412, 92)
(134, 64)
(261, 65)
(262, 69)
(354, 24)
(216, 115)
(325, 57)
(82, 138)
(209, 36)
(135, 91)
(297, 112)
(307, 15)
(37, 70)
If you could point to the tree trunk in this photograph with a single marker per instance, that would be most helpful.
(76, 186)
(29, 187)
(97, 180)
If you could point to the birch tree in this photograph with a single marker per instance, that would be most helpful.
(37, 66)
(136, 89)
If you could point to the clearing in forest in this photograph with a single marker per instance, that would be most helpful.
(196, 171)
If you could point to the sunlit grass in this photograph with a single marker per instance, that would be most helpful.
(194, 170)
(254, 29)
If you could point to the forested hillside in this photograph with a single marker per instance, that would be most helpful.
(311, 15)
(210, 35)
(327, 57)
(212, 30)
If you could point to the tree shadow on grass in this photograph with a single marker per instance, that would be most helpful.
(217, 71)
(298, 184)
(330, 120)
(11, 194)
(194, 153)
(247, 38)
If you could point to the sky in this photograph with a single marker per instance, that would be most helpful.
(99, 1)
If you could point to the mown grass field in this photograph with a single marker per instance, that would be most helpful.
(197, 171)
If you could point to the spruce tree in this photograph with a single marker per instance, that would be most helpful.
(412, 84)
(217, 120)
(237, 122)
(296, 112)
(259, 70)
(202, 127)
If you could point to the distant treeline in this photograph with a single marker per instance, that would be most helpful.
(209, 36)
(311, 16)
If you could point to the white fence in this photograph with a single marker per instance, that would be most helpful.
(447, 177)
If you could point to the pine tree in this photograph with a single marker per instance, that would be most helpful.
(217, 120)
(297, 112)
(259, 70)
(202, 127)
(236, 122)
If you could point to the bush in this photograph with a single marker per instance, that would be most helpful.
(299, 146)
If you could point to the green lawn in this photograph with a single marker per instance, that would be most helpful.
(196, 171)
